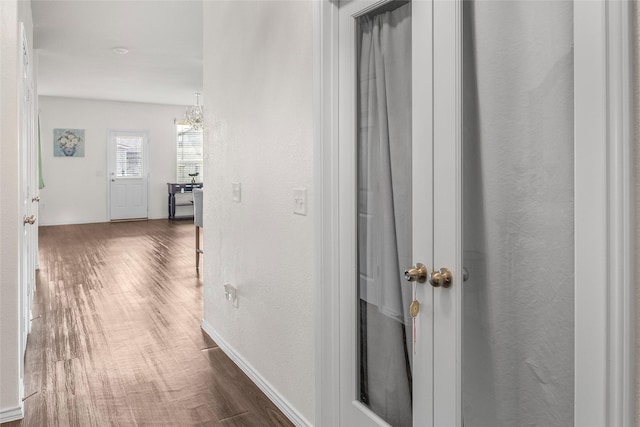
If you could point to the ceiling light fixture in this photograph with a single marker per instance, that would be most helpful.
(121, 50)
(194, 116)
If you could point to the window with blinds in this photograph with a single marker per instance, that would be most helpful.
(189, 154)
(129, 160)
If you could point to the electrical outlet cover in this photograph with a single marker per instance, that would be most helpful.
(236, 192)
(300, 201)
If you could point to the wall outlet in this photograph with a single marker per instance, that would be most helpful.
(236, 192)
(300, 201)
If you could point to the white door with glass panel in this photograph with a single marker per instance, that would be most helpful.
(458, 188)
(128, 180)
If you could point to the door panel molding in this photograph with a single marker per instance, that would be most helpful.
(447, 136)
(604, 212)
(423, 124)
(590, 171)
(620, 89)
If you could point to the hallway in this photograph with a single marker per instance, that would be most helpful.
(116, 337)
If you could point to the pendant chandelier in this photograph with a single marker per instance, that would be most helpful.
(193, 116)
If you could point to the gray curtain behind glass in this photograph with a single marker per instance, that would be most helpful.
(384, 213)
(518, 214)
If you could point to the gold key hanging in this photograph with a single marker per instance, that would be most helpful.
(414, 308)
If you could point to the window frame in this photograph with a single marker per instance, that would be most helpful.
(183, 165)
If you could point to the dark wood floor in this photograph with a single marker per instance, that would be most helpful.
(116, 336)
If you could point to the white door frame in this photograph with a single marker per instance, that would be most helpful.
(603, 91)
(619, 316)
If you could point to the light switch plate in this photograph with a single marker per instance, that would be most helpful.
(300, 201)
(236, 192)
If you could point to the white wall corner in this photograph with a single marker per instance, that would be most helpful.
(287, 409)
(12, 414)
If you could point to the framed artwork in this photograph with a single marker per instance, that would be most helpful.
(68, 142)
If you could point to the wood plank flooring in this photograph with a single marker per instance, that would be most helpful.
(116, 338)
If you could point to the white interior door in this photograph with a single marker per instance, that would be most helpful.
(488, 178)
(128, 182)
(385, 217)
(28, 193)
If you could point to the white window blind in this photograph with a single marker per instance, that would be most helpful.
(189, 154)
(129, 157)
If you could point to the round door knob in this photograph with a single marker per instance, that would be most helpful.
(417, 273)
(35, 199)
(29, 219)
(440, 278)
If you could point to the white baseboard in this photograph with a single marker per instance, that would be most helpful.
(289, 411)
(89, 221)
(80, 222)
(12, 414)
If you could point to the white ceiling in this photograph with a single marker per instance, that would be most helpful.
(75, 41)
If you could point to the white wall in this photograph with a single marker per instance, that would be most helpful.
(257, 98)
(76, 189)
(11, 14)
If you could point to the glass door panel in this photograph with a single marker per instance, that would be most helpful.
(384, 205)
(518, 214)
(128, 156)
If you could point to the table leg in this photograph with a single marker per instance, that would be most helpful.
(197, 247)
